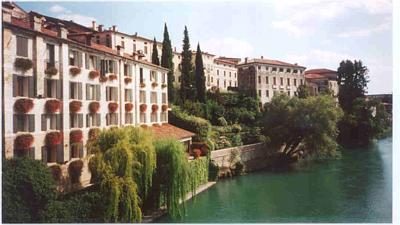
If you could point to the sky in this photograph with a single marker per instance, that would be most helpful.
(312, 33)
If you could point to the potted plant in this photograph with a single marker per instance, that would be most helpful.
(142, 85)
(103, 79)
(127, 80)
(23, 64)
(93, 74)
(154, 107)
(74, 70)
(23, 141)
(75, 136)
(94, 107)
(154, 84)
(75, 106)
(54, 138)
(53, 105)
(75, 171)
(113, 106)
(112, 77)
(128, 107)
(51, 71)
(164, 85)
(164, 107)
(143, 107)
(23, 105)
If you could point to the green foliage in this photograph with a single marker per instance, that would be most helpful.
(213, 170)
(222, 121)
(75, 171)
(188, 88)
(198, 172)
(154, 54)
(28, 186)
(197, 125)
(303, 91)
(200, 77)
(166, 62)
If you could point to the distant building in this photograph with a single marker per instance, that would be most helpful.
(322, 80)
(265, 78)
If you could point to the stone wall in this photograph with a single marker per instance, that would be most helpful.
(253, 156)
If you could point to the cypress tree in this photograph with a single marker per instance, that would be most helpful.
(187, 84)
(200, 78)
(154, 55)
(166, 62)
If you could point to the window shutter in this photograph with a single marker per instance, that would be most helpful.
(86, 61)
(107, 94)
(80, 91)
(87, 92)
(15, 124)
(115, 93)
(58, 89)
(60, 153)
(80, 150)
(44, 154)
(15, 85)
(98, 93)
(31, 123)
(30, 87)
(97, 63)
(44, 122)
(87, 120)
(79, 59)
(98, 120)
(130, 70)
(80, 117)
(58, 122)
(45, 88)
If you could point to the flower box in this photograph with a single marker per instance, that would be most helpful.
(74, 71)
(163, 85)
(54, 138)
(23, 105)
(23, 64)
(93, 74)
(94, 107)
(154, 84)
(154, 108)
(112, 106)
(53, 105)
(142, 85)
(93, 133)
(51, 71)
(127, 80)
(164, 107)
(75, 106)
(23, 141)
(143, 108)
(128, 107)
(103, 79)
(112, 77)
(75, 136)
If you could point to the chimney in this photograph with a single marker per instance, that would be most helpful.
(94, 25)
(114, 28)
(119, 50)
(295, 64)
(262, 57)
(37, 23)
(245, 60)
(62, 31)
(89, 39)
(100, 28)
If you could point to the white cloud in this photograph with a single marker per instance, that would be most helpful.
(386, 25)
(319, 58)
(228, 46)
(66, 14)
(57, 9)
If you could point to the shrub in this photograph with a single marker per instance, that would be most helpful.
(164, 107)
(23, 64)
(154, 108)
(93, 74)
(103, 79)
(143, 107)
(23, 105)
(93, 133)
(128, 107)
(112, 106)
(75, 136)
(239, 168)
(112, 77)
(23, 141)
(222, 121)
(128, 80)
(213, 170)
(75, 171)
(27, 187)
(74, 71)
(94, 107)
(53, 105)
(56, 172)
(75, 106)
(51, 71)
(54, 138)
(236, 128)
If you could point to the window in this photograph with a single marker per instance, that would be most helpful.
(141, 75)
(122, 43)
(295, 82)
(23, 86)
(128, 95)
(288, 93)
(259, 93)
(217, 72)
(224, 73)
(301, 81)
(76, 150)
(224, 83)
(112, 119)
(267, 80)
(52, 88)
(127, 70)
(30, 152)
(294, 71)
(230, 74)
(128, 118)
(76, 120)
(153, 117)
(75, 90)
(111, 94)
(163, 116)
(153, 97)
(50, 58)
(212, 79)
(259, 79)
(22, 46)
(267, 93)
(288, 81)
(230, 83)
(281, 80)
(134, 45)
(259, 67)
(108, 41)
(107, 66)
(164, 98)
(273, 68)
(235, 74)
(274, 79)
(24, 123)
(153, 76)
(287, 70)
(145, 48)
(93, 92)
(52, 155)
(75, 58)
(93, 119)
(142, 117)
(142, 96)
(280, 69)
(217, 82)
(93, 62)
(164, 78)
(266, 68)
(51, 122)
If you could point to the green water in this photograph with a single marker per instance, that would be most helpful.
(356, 188)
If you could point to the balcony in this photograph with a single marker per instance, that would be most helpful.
(51, 67)
(282, 87)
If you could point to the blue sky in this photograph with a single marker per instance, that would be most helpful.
(315, 34)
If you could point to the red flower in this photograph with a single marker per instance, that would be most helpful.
(103, 79)
(142, 85)
(163, 85)
(74, 71)
(53, 105)
(128, 80)
(93, 74)
(75, 136)
(128, 107)
(23, 105)
(143, 108)
(23, 141)
(154, 108)
(112, 77)
(94, 107)
(164, 107)
(196, 153)
(75, 106)
(113, 106)
(154, 84)
(54, 138)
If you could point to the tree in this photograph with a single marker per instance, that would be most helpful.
(303, 91)
(187, 82)
(166, 62)
(154, 55)
(28, 187)
(200, 78)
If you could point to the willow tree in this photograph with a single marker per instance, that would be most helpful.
(123, 165)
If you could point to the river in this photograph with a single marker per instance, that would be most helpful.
(355, 188)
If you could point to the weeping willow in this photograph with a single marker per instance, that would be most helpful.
(123, 165)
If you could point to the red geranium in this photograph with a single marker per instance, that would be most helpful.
(154, 108)
(75, 106)
(93, 74)
(113, 106)
(143, 108)
(112, 77)
(53, 105)
(23, 105)
(74, 71)
(103, 79)
(23, 141)
(154, 84)
(94, 107)
(54, 138)
(75, 136)
(128, 79)
(164, 107)
(128, 107)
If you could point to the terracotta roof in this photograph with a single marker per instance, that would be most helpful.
(320, 71)
(237, 60)
(320, 74)
(167, 130)
(225, 61)
(271, 62)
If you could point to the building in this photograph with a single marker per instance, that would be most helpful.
(321, 80)
(265, 77)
